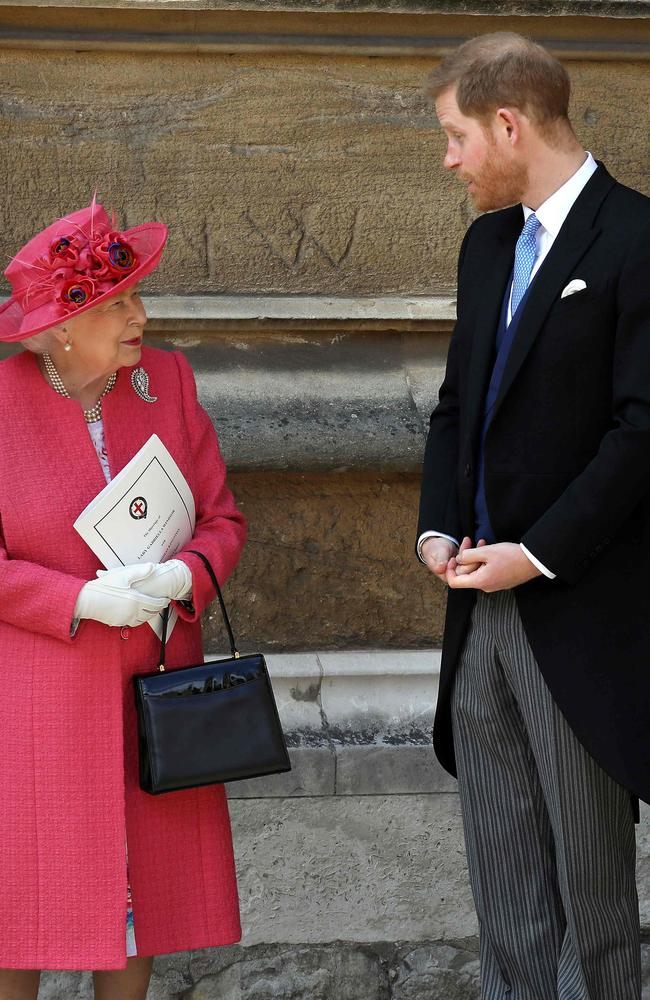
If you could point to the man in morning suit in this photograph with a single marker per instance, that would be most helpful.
(535, 511)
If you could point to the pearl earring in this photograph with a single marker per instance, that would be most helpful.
(67, 346)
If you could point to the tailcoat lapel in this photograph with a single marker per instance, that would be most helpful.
(488, 299)
(572, 242)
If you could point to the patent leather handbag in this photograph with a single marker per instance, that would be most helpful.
(206, 724)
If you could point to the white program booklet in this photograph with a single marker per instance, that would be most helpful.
(145, 514)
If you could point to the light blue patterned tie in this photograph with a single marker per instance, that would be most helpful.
(525, 256)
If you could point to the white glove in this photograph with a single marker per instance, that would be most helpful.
(114, 599)
(171, 579)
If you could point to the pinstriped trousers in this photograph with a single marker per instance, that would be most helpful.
(549, 836)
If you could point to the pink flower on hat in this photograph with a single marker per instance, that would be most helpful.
(75, 292)
(64, 251)
(115, 256)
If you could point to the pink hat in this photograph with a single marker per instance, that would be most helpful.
(73, 265)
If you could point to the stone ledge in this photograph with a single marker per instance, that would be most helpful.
(355, 698)
(346, 28)
(392, 770)
(357, 723)
(375, 769)
(312, 775)
(176, 312)
(310, 401)
(498, 8)
(387, 46)
(319, 401)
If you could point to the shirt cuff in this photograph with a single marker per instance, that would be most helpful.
(432, 534)
(540, 566)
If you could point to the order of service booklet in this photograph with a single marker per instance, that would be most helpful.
(145, 514)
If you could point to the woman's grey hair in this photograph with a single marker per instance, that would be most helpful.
(40, 343)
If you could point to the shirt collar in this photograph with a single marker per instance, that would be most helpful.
(552, 212)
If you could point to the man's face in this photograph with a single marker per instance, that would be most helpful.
(481, 156)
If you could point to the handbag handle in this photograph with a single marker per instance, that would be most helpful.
(231, 639)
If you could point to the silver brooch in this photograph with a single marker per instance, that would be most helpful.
(140, 383)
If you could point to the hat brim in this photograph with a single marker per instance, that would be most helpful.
(147, 241)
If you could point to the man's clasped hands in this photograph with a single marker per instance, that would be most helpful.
(485, 567)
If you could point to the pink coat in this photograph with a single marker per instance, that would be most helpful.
(69, 794)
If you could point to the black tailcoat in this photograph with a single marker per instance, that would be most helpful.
(567, 463)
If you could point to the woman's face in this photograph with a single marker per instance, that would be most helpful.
(107, 337)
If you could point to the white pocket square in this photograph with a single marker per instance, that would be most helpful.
(574, 286)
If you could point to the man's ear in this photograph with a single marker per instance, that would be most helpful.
(508, 123)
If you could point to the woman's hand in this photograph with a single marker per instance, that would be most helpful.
(115, 598)
(171, 580)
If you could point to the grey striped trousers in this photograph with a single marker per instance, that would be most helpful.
(550, 837)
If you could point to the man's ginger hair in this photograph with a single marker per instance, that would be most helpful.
(505, 70)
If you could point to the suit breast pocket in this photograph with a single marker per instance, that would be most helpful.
(582, 324)
(588, 300)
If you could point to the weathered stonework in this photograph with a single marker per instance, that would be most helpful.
(499, 8)
(310, 173)
(335, 401)
(424, 970)
(330, 563)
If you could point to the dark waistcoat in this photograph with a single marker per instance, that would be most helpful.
(504, 339)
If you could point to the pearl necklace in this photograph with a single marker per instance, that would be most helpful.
(92, 415)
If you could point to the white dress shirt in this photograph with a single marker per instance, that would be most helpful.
(551, 215)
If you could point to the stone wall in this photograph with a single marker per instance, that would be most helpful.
(486, 8)
(310, 173)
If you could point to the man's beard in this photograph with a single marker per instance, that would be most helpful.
(499, 183)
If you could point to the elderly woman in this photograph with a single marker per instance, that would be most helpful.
(83, 848)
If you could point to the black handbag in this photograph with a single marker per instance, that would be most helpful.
(209, 723)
